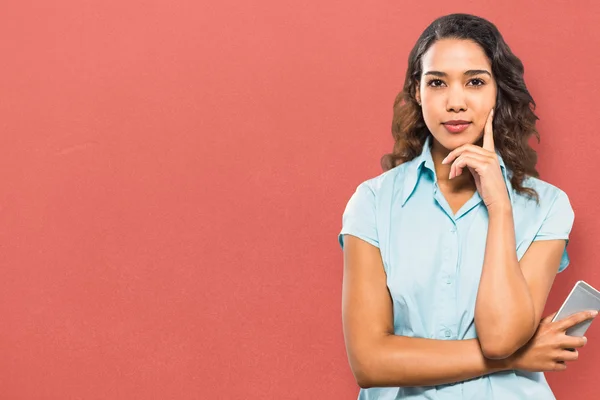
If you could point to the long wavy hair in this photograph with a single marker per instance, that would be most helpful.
(514, 117)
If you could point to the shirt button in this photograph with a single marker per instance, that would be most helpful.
(448, 333)
(453, 230)
(448, 281)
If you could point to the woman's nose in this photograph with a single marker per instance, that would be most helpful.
(456, 100)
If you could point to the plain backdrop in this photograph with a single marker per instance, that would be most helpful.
(173, 175)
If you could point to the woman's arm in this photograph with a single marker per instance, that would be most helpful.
(512, 295)
(378, 357)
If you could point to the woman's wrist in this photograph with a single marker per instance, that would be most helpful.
(500, 209)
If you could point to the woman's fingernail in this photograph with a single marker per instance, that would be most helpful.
(584, 340)
(444, 160)
(594, 313)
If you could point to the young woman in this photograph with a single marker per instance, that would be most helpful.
(449, 255)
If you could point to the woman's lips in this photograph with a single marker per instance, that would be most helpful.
(454, 128)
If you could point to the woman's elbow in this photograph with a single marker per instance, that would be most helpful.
(361, 374)
(367, 368)
(366, 381)
(375, 365)
(502, 345)
(364, 384)
(497, 350)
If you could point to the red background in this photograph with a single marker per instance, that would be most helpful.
(173, 175)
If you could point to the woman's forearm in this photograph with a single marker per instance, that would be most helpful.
(504, 310)
(406, 361)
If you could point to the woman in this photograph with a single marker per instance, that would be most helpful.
(449, 255)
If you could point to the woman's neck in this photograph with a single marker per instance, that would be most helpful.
(463, 182)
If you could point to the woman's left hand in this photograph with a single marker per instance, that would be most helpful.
(484, 166)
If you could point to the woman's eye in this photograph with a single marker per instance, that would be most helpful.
(434, 83)
(480, 82)
(473, 82)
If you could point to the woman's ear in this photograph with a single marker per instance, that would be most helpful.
(417, 92)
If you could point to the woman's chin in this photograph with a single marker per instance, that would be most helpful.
(452, 141)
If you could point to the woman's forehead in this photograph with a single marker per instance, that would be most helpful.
(454, 56)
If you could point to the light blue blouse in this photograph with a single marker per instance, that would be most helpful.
(433, 260)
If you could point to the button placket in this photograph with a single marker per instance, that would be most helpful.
(450, 252)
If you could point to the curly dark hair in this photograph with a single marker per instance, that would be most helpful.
(514, 117)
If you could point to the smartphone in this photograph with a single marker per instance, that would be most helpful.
(583, 297)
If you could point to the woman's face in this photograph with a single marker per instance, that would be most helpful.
(456, 84)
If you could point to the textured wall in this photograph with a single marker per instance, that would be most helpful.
(173, 174)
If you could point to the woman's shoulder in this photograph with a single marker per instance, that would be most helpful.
(552, 200)
(551, 217)
(547, 192)
(386, 180)
(368, 204)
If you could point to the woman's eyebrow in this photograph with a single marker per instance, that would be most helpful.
(470, 72)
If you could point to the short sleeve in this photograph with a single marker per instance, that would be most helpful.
(359, 218)
(558, 224)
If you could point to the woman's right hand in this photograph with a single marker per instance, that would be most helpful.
(548, 348)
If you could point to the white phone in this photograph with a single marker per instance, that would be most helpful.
(583, 297)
